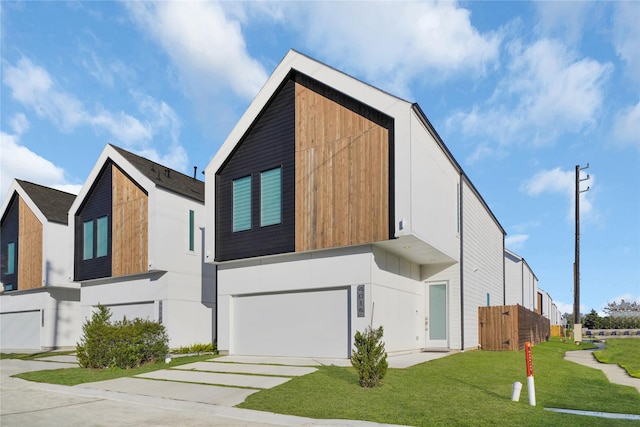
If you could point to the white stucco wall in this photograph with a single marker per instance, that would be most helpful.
(394, 295)
(57, 254)
(58, 313)
(433, 191)
(483, 260)
(187, 318)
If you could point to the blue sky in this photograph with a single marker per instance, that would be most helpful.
(521, 93)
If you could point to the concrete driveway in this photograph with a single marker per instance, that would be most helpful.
(144, 401)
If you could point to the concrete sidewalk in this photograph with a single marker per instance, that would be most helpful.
(614, 373)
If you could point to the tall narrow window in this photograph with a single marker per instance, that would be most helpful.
(11, 258)
(191, 230)
(271, 197)
(87, 252)
(242, 204)
(103, 236)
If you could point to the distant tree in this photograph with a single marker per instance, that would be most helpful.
(622, 309)
(567, 320)
(592, 320)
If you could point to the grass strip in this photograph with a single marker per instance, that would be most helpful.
(35, 356)
(465, 389)
(622, 351)
(75, 376)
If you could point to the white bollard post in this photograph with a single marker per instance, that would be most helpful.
(515, 394)
(531, 389)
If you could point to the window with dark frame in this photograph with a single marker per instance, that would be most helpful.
(242, 204)
(11, 258)
(271, 197)
(95, 238)
(191, 230)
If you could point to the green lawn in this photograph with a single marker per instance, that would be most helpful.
(623, 351)
(74, 376)
(471, 388)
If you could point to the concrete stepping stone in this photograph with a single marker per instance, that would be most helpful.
(238, 380)
(210, 394)
(281, 360)
(241, 368)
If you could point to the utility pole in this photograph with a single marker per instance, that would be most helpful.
(577, 329)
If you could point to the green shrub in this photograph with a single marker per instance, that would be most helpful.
(197, 348)
(369, 357)
(123, 344)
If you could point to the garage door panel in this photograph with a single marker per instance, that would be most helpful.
(20, 330)
(306, 324)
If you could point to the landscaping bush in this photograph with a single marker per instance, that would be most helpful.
(123, 344)
(197, 348)
(369, 357)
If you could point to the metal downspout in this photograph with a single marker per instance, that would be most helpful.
(461, 263)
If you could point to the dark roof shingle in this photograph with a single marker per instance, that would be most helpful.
(165, 177)
(54, 204)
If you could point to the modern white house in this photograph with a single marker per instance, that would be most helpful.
(39, 307)
(136, 233)
(333, 205)
(521, 283)
(521, 287)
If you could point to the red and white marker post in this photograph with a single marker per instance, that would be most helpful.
(531, 388)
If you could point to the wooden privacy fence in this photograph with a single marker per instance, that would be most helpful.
(557, 331)
(508, 327)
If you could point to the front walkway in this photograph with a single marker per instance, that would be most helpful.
(614, 373)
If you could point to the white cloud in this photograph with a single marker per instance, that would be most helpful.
(563, 307)
(482, 151)
(626, 35)
(19, 123)
(516, 241)
(17, 161)
(547, 91)
(392, 43)
(568, 308)
(564, 19)
(206, 45)
(33, 87)
(175, 158)
(557, 181)
(626, 127)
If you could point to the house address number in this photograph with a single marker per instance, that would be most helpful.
(360, 300)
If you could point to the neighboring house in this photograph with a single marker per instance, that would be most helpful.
(39, 308)
(136, 228)
(333, 205)
(521, 287)
(546, 306)
(521, 284)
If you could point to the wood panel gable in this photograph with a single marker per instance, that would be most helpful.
(130, 225)
(30, 232)
(343, 172)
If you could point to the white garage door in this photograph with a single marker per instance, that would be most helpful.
(303, 324)
(20, 330)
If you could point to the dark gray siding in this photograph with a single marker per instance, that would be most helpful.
(97, 204)
(8, 234)
(269, 143)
